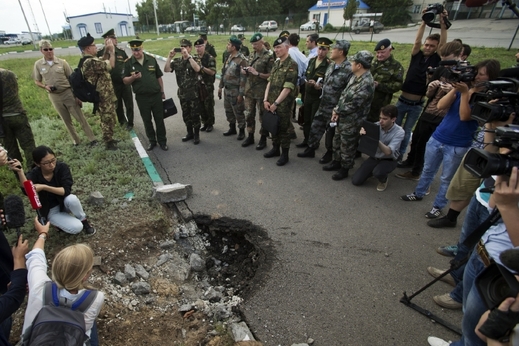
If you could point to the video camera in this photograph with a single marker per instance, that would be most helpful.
(430, 13)
(504, 93)
(454, 71)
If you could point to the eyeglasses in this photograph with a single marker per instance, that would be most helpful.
(48, 163)
(48, 49)
(136, 49)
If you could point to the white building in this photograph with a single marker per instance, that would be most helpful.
(331, 11)
(98, 23)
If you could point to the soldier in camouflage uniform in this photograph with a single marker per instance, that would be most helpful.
(257, 75)
(388, 75)
(280, 95)
(352, 109)
(335, 80)
(97, 72)
(234, 83)
(209, 48)
(122, 92)
(14, 124)
(316, 70)
(244, 49)
(187, 70)
(208, 71)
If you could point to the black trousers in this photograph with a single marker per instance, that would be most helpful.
(421, 134)
(379, 168)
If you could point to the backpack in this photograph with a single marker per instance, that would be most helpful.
(83, 89)
(60, 322)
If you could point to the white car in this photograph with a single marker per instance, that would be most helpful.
(310, 26)
(13, 41)
(237, 27)
(268, 25)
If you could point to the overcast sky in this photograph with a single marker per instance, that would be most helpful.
(12, 21)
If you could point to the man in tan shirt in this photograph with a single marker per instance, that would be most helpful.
(51, 73)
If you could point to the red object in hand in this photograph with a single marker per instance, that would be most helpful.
(30, 190)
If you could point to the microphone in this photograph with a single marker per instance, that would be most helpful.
(14, 213)
(510, 258)
(30, 190)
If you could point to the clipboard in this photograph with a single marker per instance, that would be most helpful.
(368, 143)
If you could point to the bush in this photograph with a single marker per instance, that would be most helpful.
(328, 28)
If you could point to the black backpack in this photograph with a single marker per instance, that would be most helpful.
(82, 89)
(59, 322)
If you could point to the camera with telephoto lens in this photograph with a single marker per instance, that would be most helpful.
(430, 13)
(461, 71)
(495, 284)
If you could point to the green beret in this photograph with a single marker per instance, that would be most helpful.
(256, 37)
(284, 33)
(235, 41)
(109, 33)
(135, 43)
(185, 42)
(85, 41)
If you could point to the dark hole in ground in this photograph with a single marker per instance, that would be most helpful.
(239, 253)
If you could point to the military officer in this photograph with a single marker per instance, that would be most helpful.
(187, 70)
(314, 75)
(143, 73)
(388, 75)
(261, 63)
(352, 109)
(122, 92)
(208, 71)
(280, 95)
(244, 49)
(209, 48)
(234, 83)
(97, 72)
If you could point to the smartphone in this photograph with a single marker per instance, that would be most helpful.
(178, 50)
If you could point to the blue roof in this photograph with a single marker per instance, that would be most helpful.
(107, 13)
(320, 5)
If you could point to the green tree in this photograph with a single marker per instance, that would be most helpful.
(395, 12)
(349, 10)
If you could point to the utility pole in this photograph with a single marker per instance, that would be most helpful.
(27, 22)
(156, 19)
(44, 16)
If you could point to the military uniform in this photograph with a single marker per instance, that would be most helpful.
(122, 91)
(390, 76)
(207, 109)
(187, 92)
(209, 48)
(14, 122)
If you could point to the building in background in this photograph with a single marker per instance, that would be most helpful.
(330, 11)
(98, 23)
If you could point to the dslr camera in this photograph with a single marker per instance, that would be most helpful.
(430, 14)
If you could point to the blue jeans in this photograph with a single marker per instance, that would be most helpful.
(436, 154)
(476, 214)
(473, 306)
(413, 113)
(63, 220)
(94, 338)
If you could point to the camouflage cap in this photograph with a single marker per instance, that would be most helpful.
(342, 45)
(235, 41)
(256, 37)
(135, 43)
(383, 44)
(199, 42)
(284, 33)
(185, 42)
(110, 33)
(363, 57)
(85, 41)
(280, 40)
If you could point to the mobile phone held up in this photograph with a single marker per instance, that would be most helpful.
(177, 50)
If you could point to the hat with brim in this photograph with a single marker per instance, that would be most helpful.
(110, 33)
(185, 42)
(284, 33)
(363, 57)
(324, 42)
(135, 43)
(342, 45)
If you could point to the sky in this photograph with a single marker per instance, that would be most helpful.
(13, 22)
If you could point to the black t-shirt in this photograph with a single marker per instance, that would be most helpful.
(416, 79)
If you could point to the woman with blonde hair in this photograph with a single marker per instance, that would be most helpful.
(71, 268)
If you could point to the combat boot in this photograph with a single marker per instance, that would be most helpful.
(262, 143)
(189, 135)
(248, 141)
(111, 145)
(309, 152)
(273, 152)
(332, 166)
(341, 174)
(327, 157)
(241, 135)
(284, 157)
(231, 131)
(196, 135)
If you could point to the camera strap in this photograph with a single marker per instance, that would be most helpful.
(476, 235)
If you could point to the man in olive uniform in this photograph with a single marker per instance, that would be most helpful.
(97, 72)
(209, 48)
(143, 72)
(314, 75)
(280, 95)
(388, 75)
(208, 71)
(261, 63)
(352, 109)
(244, 49)
(122, 92)
(335, 80)
(187, 70)
(234, 83)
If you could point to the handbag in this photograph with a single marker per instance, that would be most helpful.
(270, 122)
(169, 108)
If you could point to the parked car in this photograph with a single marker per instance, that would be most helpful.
(192, 29)
(13, 41)
(268, 25)
(26, 41)
(310, 26)
(238, 28)
(363, 27)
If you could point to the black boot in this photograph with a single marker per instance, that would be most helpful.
(327, 157)
(248, 141)
(341, 174)
(204, 127)
(241, 135)
(262, 143)
(231, 131)
(273, 152)
(309, 152)
(284, 157)
(333, 166)
(303, 144)
(189, 135)
(197, 135)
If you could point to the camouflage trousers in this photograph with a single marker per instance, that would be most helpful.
(107, 125)
(283, 136)
(17, 131)
(346, 140)
(207, 109)
(234, 110)
(124, 95)
(191, 113)
(318, 128)
(251, 104)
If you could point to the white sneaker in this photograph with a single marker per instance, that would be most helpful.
(434, 341)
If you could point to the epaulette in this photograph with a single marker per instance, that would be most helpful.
(127, 59)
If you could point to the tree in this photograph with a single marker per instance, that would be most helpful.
(349, 10)
(395, 12)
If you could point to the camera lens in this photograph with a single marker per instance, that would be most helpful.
(497, 290)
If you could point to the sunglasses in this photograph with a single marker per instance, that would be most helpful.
(136, 49)
(48, 49)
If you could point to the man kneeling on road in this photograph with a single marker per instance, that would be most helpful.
(385, 160)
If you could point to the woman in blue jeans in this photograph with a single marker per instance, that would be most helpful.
(452, 138)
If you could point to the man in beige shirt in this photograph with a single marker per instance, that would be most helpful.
(51, 73)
